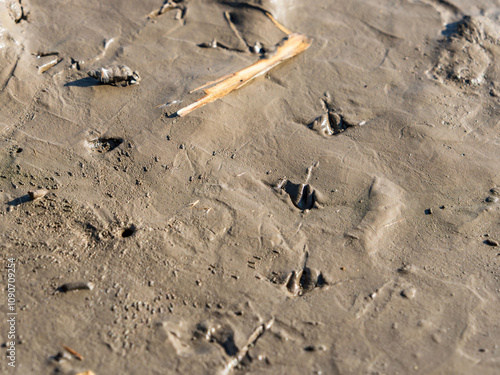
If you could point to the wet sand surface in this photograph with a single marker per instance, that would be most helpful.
(339, 215)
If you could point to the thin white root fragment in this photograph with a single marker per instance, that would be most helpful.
(393, 223)
(168, 103)
(252, 339)
(194, 203)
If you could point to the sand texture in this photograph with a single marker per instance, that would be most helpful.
(338, 215)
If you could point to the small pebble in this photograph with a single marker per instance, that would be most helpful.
(491, 199)
(62, 356)
(436, 338)
(405, 268)
(409, 293)
(495, 191)
(77, 285)
(491, 242)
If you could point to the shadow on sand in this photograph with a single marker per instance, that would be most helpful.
(83, 82)
(20, 200)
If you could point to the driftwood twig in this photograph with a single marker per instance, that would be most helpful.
(254, 336)
(290, 46)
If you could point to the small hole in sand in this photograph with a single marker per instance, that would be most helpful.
(103, 145)
(130, 231)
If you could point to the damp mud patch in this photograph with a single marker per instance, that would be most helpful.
(463, 57)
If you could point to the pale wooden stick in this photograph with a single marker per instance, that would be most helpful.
(289, 47)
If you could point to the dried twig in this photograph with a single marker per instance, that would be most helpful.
(244, 350)
(277, 24)
(74, 353)
(227, 15)
(289, 47)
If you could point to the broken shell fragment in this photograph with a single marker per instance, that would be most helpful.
(114, 74)
(43, 68)
(37, 194)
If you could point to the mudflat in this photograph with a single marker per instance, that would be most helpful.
(339, 214)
